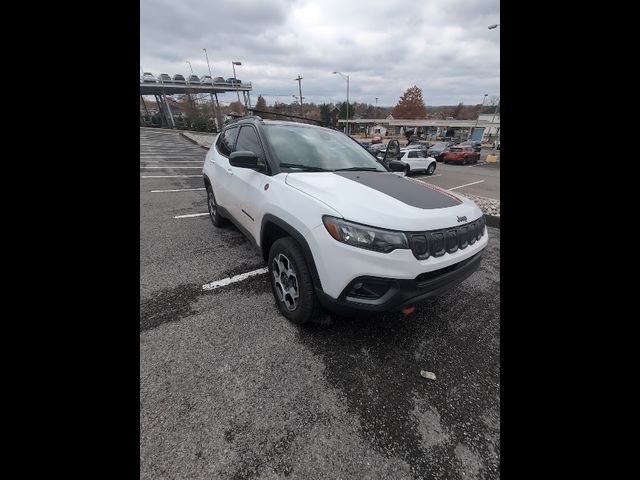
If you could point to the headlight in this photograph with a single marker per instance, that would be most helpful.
(361, 236)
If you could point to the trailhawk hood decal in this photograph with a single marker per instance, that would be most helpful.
(385, 199)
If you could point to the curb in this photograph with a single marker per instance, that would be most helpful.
(492, 221)
(193, 141)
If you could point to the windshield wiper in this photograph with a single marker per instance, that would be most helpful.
(357, 169)
(305, 167)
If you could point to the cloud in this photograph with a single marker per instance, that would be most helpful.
(443, 46)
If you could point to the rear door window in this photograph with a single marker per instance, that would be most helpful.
(226, 141)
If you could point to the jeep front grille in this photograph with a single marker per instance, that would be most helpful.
(435, 243)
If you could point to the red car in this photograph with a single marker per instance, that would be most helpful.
(461, 154)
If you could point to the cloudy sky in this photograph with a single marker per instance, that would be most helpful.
(385, 46)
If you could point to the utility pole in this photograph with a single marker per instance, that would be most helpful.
(299, 80)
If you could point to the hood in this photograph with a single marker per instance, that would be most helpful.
(385, 200)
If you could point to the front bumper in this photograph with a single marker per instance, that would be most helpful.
(400, 292)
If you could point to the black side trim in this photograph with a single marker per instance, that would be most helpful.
(308, 256)
(248, 216)
(225, 213)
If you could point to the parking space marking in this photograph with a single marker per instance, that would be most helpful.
(465, 185)
(192, 215)
(177, 190)
(236, 278)
(170, 176)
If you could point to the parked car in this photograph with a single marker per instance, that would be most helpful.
(164, 78)
(193, 80)
(206, 80)
(336, 228)
(437, 150)
(219, 80)
(177, 78)
(422, 149)
(475, 144)
(375, 148)
(461, 154)
(414, 160)
(149, 78)
(233, 81)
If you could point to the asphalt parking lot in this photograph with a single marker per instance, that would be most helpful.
(480, 178)
(230, 389)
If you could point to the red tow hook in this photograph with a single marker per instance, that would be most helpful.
(408, 310)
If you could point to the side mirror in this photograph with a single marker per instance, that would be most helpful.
(245, 159)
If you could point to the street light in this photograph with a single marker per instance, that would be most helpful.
(233, 64)
(495, 25)
(478, 117)
(347, 77)
(208, 66)
(190, 66)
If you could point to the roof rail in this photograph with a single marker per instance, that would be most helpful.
(237, 118)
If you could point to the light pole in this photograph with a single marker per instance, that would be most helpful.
(213, 107)
(190, 67)
(478, 117)
(347, 77)
(233, 64)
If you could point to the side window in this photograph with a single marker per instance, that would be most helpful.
(413, 154)
(226, 140)
(248, 140)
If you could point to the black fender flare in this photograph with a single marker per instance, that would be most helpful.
(298, 237)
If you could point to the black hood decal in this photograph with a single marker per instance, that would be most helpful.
(407, 190)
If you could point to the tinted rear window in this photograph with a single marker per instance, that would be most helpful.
(226, 140)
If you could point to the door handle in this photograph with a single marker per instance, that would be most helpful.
(229, 171)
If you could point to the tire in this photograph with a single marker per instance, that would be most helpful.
(217, 220)
(285, 257)
(407, 170)
(431, 169)
(464, 161)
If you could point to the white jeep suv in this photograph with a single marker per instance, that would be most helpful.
(336, 227)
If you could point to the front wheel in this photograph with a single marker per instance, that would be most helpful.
(291, 282)
(407, 170)
(431, 169)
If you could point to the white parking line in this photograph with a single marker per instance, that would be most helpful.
(170, 166)
(192, 215)
(465, 185)
(476, 165)
(177, 190)
(236, 278)
(169, 176)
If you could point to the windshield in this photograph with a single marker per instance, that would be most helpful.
(320, 149)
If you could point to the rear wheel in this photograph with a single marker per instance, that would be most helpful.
(407, 170)
(291, 282)
(214, 215)
(431, 169)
